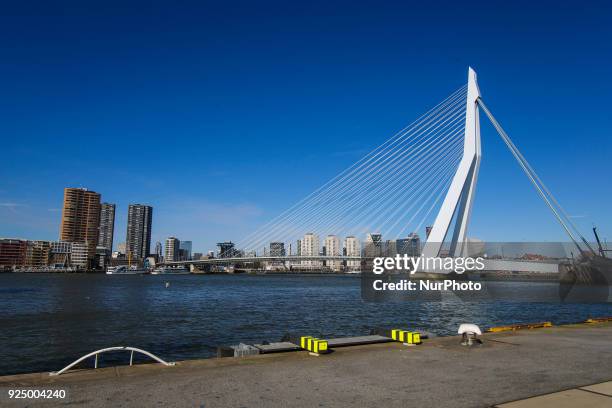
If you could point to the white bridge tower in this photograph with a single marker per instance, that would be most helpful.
(460, 195)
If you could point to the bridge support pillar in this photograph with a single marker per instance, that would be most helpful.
(460, 195)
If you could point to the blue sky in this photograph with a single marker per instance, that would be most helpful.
(220, 115)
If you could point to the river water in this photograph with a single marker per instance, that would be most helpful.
(49, 320)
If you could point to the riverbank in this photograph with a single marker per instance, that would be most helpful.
(508, 366)
(517, 276)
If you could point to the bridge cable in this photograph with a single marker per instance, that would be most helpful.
(372, 157)
(542, 190)
(353, 180)
(379, 176)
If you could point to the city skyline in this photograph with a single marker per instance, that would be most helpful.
(345, 106)
(87, 229)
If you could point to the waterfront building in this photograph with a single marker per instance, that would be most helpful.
(12, 252)
(138, 238)
(61, 247)
(390, 248)
(352, 247)
(310, 246)
(403, 246)
(196, 256)
(183, 254)
(79, 255)
(172, 249)
(226, 249)
(38, 254)
(410, 246)
(81, 219)
(42, 254)
(107, 226)
(159, 251)
(332, 248)
(299, 247)
(414, 244)
(103, 257)
(277, 249)
(210, 254)
(186, 247)
(373, 245)
(60, 253)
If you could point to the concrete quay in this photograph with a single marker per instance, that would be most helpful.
(559, 366)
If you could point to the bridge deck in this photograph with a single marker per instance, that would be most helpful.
(549, 266)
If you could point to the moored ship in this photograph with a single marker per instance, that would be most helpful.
(126, 270)
(165, 270)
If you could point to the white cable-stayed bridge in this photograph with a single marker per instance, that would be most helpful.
(426, 174)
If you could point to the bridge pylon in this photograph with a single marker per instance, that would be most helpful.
(460, 196)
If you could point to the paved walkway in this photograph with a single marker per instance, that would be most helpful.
(592, 396)
(504, 371)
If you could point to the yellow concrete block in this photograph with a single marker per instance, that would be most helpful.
(395, 334)
(304, 341)
(319, 346)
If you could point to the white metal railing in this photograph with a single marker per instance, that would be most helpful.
(104, 350)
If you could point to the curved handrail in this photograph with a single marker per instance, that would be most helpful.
(104, 350)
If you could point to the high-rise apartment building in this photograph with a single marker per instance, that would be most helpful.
(81, 219)
(138, 238)
(107, 226)
(310, 246)
(173, 246)
(353, 248)
(332, 248)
